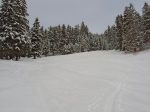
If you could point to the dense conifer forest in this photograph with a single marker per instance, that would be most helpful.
(130, 33)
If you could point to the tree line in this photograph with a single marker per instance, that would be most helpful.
(130, 33)
(62, 39)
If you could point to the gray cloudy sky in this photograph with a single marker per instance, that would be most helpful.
(97, 14)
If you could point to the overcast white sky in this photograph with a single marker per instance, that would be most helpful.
(97, 14)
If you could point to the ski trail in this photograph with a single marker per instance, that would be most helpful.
(106, 101)
(110, 101)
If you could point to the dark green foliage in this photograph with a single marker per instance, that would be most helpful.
(146, 24)
(119, 28)
(36, 39)
(62, 40)
(132, 40)
(127, 35)
(109, 38)
(14, 28)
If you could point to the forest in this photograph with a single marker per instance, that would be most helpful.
(130, 33)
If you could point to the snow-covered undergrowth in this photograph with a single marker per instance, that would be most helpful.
(103, 81)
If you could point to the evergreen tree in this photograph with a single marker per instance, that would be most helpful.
(46, 43)
(132, 40)
(36, 39)
(14, 28)
(1, 40)
(103, 41)
(68, 40)
(94, 42)
(119, 28)
(110, 38)
(58, 40)
(76, 43)
(84, 40)
(42, 36)
(51, 37)
(63, 39)
(146, 24)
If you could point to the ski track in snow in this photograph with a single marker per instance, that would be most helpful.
(86, 82)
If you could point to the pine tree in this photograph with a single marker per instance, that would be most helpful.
(110, 38)
(58, 40)
(103, 41)
(76, 39)
(132, 40)
(1, 40)
(43, 41)
(63, 40)
(36, 39)
(84, 40)
(94, 42)
(119, 28)
(138, 40)
(68, 40)
(51, 38)
(46, 43)
(146, 24)
(14, 28)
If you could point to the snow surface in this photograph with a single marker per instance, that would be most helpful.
(103, 81)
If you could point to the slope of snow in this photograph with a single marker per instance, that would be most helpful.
(103, 81)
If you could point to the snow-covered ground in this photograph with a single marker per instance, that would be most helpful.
(103, 81)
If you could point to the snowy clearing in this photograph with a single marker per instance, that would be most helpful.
(102, 81)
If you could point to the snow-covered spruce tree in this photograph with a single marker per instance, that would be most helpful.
(110, 38)
(55, 39)
(1, 49)
(14, 28)
(84, 40)
(107, 37)
(36, 39)
(139, 39)
(94, 42)
(132, 40)
(146, 24)
(46, 43)
(119, 28)
(51, 38)
(76, 39)
(114, 37)
(69, 39)
(63, 40)
(99, 41)
(68, 35)
(1, 40)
